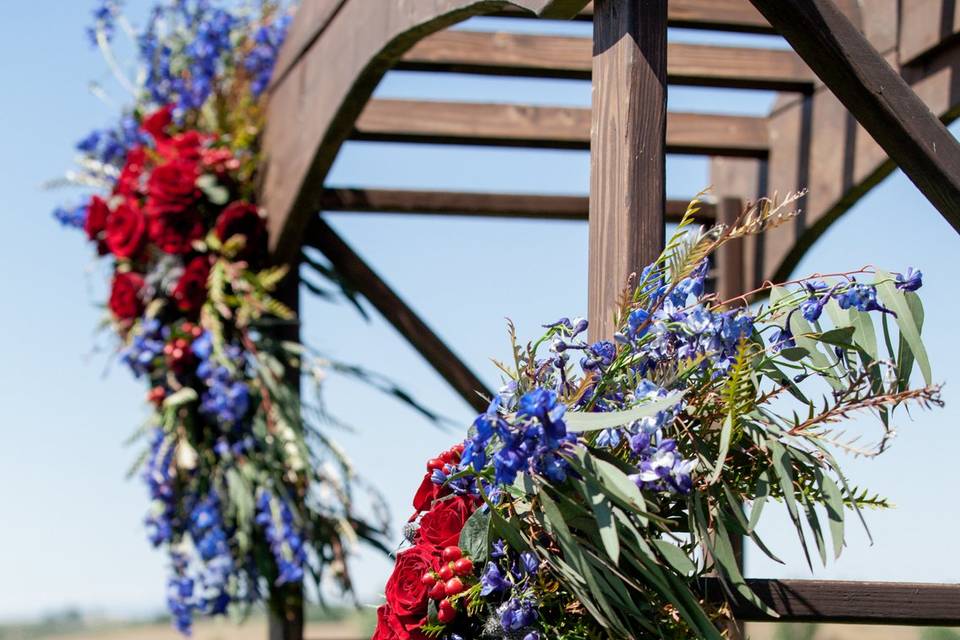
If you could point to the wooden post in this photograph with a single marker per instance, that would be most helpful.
(730, 255)
(285, 605)
(628, 142)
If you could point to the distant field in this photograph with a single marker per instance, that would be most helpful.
(766, 631)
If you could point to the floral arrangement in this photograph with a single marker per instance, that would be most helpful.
(247, 496)
(589, 500)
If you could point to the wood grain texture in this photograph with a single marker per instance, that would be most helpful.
(875, 94)
(488, 205)
(545, 127)
(334, 61)
(838, 601)
(515, 54)
(628, 150)
(730, 256)
(369, 284)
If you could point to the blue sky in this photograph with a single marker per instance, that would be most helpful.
(71, 534)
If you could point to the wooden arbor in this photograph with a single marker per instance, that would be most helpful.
(855, 101)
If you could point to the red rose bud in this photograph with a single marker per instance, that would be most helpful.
(428, 579)
(434, 463)
(446, 613)
(452, 553)
(453, 586)
(437, 591)
(463, 566)
(447, 456)
(446, 571)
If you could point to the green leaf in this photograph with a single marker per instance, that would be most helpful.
(762, 492)
(782, 469)
(909, 319)
(579, 421)
(475, 536)
(602, 511)
(179, 398)
(724, 448)
(834, 507)
(794, 354)
(675, 557)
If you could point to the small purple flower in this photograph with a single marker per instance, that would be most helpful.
(492, 581)
(912, 281)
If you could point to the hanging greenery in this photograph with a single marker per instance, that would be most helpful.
(589, 499)
(247, 493)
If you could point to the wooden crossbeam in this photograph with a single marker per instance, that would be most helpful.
(545, 127)
(365, 280)
(718, 15)
(569, 57)
(487, 205)
(875, 94)
(839, 601)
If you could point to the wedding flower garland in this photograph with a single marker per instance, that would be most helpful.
(580, 501)
(246, 495)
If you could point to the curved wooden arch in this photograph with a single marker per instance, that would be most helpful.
(336, 54)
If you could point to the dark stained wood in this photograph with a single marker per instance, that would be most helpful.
(926, 25)
(875, 94)
(628, 150)
(366, 281)
(719, 15)
(838, 601)
(545, 127)
(730, 256)
(491, 205)
(569, 57)
(317, 97)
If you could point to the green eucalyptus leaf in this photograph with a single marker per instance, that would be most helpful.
(475, 536)
(909, 319)
(579, 421)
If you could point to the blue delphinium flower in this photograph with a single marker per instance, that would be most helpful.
(159, 476)
(227, 397)
(492, 580)
(104, 20)
(517, 614)
(912, 281)
(599, 355)
(145, 349)
(262, 57)
(276, 518)
(662, 468)
(210, 541)
(782, 338)
(75, 217)
(180, 594)
(109, 146)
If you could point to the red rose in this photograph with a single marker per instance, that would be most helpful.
(128, 183)
(172, 188)
(441, 526)
(97, 214)
(175, 232)
(125, 300)
(156, 123)
(406, 593)
(219, 160)
(427, 493)
(183, 146)
(126, 230)
(243, 219)
(191, 290)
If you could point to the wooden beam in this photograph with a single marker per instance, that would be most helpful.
(875, 94)
(925, 27)
(568, 57)
(329, 68)
(489, 205)
(628, 150)
(366, 281)
(545, 127)
(838, 601)
(716, 15)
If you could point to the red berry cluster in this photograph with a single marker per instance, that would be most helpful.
(177, 351)
(448, 581)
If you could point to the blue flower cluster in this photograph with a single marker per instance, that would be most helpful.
(180, 596)
(109, 146)
(286, 543)
(104, 20)
(507, 577)
(210, 540)
(262, 57)
(673, 327)
(227, 398)
(186, 76)
(146, 347)
(158, 474)
(75, 217)
(531, 443)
